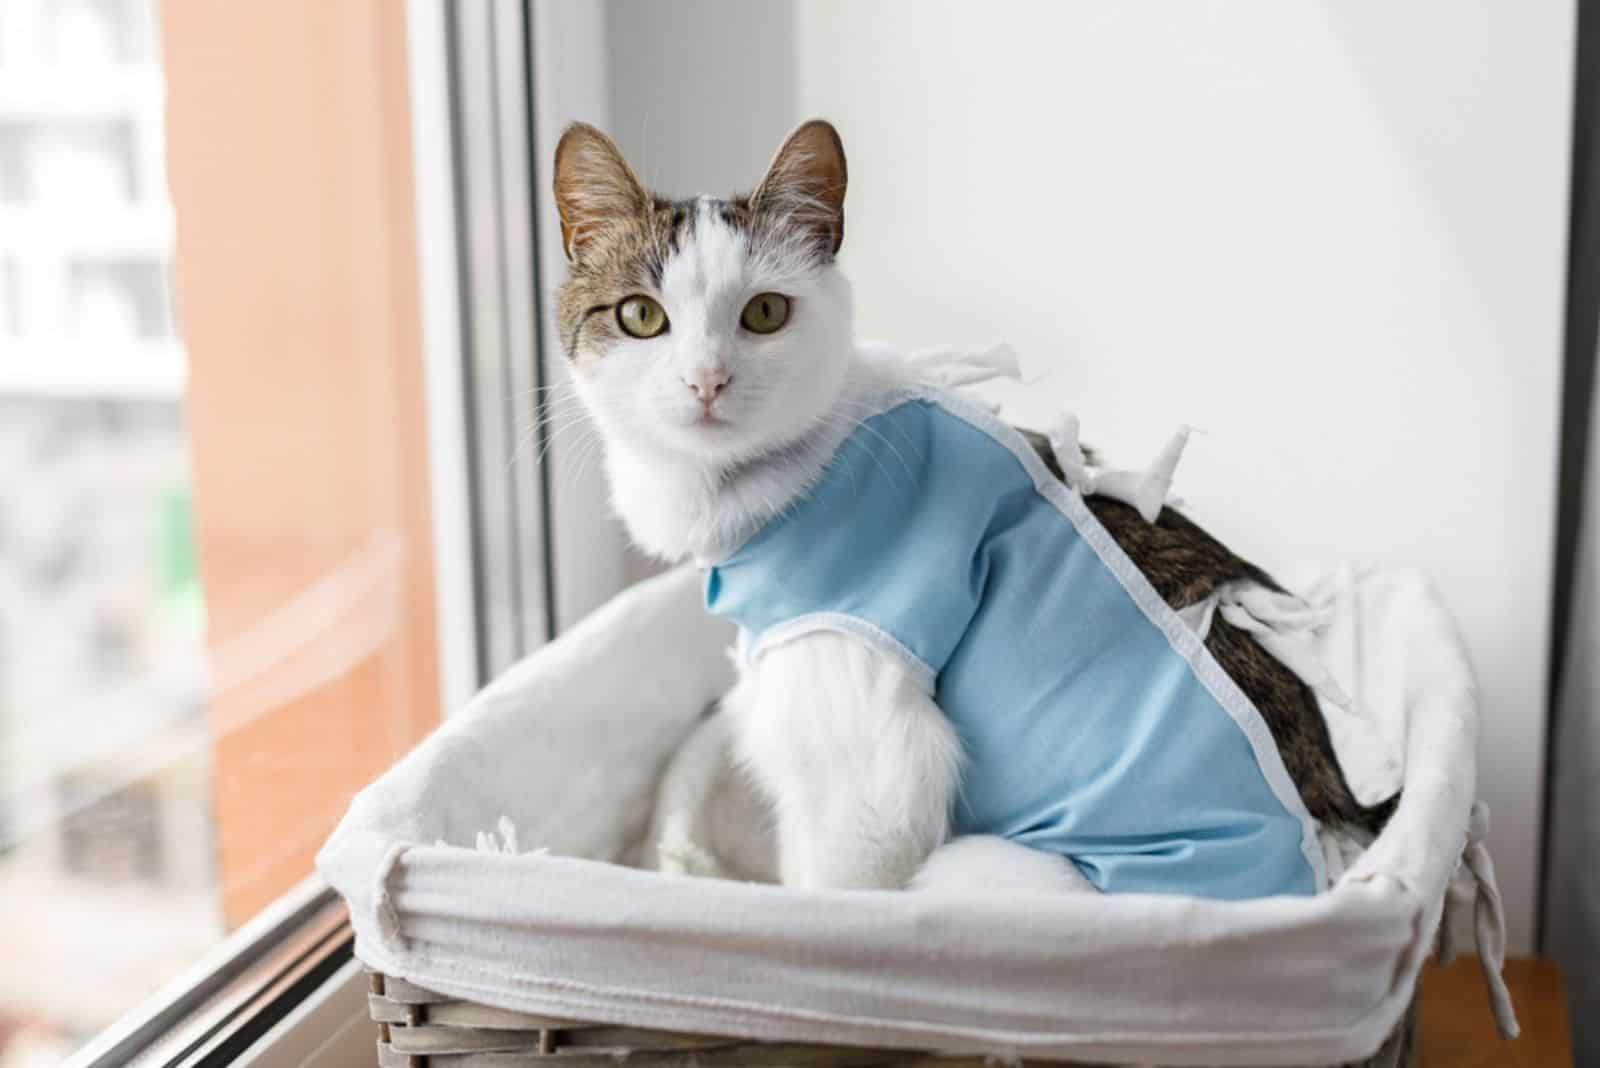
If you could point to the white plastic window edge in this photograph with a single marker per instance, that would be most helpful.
(434, 182)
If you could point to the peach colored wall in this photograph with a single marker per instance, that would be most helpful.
(290, 167)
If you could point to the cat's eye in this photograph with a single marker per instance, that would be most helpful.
(765, 313)
(641, 317)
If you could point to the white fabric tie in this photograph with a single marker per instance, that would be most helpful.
(1146, 490)
(1282, 623)
(1488, 921)
(1287, 626)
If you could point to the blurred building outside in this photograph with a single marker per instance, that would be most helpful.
(107, 873)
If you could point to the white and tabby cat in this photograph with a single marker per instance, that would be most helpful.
(711, 342)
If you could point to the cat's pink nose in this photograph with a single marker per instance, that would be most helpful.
(708, 382)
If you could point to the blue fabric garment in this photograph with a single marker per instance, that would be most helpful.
(1085, 731)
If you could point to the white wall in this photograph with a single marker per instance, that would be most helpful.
(1330, 234)
(701, 90)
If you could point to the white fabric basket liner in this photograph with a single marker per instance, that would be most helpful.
(569, 744)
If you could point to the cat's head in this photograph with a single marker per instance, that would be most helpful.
(711, 329)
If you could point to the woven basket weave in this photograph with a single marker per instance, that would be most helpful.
(420, 1029)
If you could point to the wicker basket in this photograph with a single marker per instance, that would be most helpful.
(567, 953)
(420, 1029)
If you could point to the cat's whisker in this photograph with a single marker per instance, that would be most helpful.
(551, 408)
(592, 447)
(576, 424)
(549, 422)
(550, 439)
(861, 423)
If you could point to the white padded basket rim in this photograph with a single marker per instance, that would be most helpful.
(582, 727)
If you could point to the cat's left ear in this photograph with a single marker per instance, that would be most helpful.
(805, 182)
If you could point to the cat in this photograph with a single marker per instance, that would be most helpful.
(711, 342)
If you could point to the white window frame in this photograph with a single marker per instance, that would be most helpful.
(433, 159)
(524, 543)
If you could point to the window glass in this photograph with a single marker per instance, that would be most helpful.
(107, 874)
(216, 584)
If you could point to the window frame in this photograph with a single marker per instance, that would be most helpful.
(498, 275)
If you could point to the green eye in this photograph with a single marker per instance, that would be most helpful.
(765, 313)
(641, 317)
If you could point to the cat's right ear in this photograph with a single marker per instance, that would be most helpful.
(594, 186)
